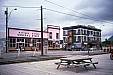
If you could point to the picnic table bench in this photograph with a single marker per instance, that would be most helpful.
(76, 62)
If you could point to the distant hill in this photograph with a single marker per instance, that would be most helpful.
(108, 41)
(111, 38)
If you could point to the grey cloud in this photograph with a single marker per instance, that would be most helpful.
(100, 9)
(108, 34)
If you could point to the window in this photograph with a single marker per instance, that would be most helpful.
(50, 43)
(91, 32)
(74, 39)
(27, 42)
(88, 32)
(65, 32)
(81, 31)
(79, 38)
(57, 44)
(97, 33)
(65, 39)
(57, 36)
(50, 35)
(34, 42)
(84, 38)
(85, 32)
(20, 39)
(94, 33)
(74, 32)
(12, 42)
(78, 31)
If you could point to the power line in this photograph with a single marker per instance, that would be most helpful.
(69, 9)
(91, 18)
(65, 13)
(70, 14)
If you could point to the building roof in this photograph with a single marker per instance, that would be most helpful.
(53, 27)
(81, 26)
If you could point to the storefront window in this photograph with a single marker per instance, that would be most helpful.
(34, 42)
(50, 35)
(27, 42)
(20, 39)
(57, 36)
(12, 42)
(50, 43)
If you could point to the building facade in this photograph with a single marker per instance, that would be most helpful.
(54, 37)
(28, 39)
(82, 37)
(31, 39)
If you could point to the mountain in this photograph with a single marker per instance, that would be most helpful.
(108, 41)
(111, 38)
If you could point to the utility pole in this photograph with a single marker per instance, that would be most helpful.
(6, 13)
(42, 31)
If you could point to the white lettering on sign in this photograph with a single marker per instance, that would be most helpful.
(26, 33)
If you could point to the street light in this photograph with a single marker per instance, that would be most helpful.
(7, 18)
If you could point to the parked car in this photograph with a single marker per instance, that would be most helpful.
(74, 47)
(92, 49)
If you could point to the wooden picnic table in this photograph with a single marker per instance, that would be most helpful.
(77, 61)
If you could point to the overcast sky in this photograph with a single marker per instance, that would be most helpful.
(62, 13)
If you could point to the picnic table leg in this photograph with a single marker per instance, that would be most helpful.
(93, 64)
(59, 64)
(68, 63)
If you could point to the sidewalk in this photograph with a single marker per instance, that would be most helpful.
(27, 56)
(105, 67)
